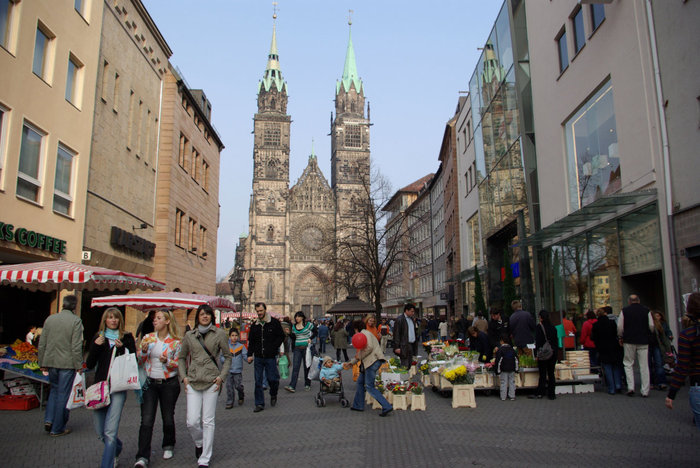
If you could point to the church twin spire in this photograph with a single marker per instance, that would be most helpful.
(273, 73)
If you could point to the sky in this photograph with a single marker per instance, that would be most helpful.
(414, 58)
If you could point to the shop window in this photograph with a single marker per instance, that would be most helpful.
(597, 15)
(74, 81)
(562, 50)
(62, 199)
(28, 177)
(592, 151)
(578, 30)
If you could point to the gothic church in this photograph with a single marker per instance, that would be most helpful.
(291, 229)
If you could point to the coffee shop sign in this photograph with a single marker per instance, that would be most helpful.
(33, 239)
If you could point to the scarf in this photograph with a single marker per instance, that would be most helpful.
(204, 330)
(111, 334)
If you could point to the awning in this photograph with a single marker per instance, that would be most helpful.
(589, 217)
(164, 300)
(353, 305)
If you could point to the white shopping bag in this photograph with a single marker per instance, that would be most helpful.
(315, 368)
(77, 393)
(125, 373)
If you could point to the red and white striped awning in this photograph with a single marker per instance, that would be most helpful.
(164, 300)
(235, 315)
(60, 274)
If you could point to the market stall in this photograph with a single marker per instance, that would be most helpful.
(19, 362)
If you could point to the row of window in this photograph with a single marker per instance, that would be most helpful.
(189, 235)
(43, 62)
(199, 123)
(196, 165)
(32, 162)
(596, 14)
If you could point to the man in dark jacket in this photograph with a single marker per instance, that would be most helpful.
(405, 336)
(497, 326)
(604, 335)
(522, 326)
(266, 336)
(633, 328)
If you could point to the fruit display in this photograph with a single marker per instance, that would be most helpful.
(24, 351)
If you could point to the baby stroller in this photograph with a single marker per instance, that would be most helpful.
(323, 390)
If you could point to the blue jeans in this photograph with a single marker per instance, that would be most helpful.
(265, 367)
(694, 397)
(656, 365)
(165, 392)
(106, 421)
(61, 381)
(322, 344)
(365, 382)
(299, 359)
(613, 377)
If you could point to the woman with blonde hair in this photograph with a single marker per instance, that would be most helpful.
(371, 325)
(158, 355)
(111, 335)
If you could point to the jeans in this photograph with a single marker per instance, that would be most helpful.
(106, 421)
(265, 367)
(201, 418)
(299, 356)
(547, 382)
(592, 356)
(322, 344)
(234, 383)
(656, 364)
(166, 392)
(694, 397)
(365, 382)
(61, 381)
(507, 385)
(613, 377)
(640, 353)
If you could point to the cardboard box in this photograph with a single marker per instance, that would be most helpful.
(22, 390)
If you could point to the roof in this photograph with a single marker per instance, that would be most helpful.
(273, 73)
(350, 76)
(413, 187)
(352, 304)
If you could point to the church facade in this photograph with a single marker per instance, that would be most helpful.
(293, 229)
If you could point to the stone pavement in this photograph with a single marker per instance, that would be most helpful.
(593, 429)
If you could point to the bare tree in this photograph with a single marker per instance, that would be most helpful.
(365, 249)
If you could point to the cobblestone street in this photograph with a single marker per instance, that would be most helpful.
(593, 429)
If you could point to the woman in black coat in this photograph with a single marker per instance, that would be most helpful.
(545, 332)
(604, 335)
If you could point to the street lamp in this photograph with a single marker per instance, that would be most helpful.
(236, 281)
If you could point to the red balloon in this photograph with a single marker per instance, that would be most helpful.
(359, 340)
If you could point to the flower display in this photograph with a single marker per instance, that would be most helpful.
(415, 388)
(425, 369)
(396, 388)
(451, 350)
(459, 375)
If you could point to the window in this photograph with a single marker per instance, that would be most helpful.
(41, 51)
(130, 133)
(179, 227)
(73, 80)
(78, 4)
(592, 152)
(579, 32)
(202, 241)
(28, 184)
(597, 15)
(269, 290)
(474, 240)
(270, 233)
(194, 164)
(3, 113)
(62, 199)
(7, 8)
(105, 80)
(271, 135)
(191, 233)
(353, 138)
(115, 97)
(205, 176)
(563, 52)
(183, 148)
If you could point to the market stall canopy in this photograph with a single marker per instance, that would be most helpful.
(351, 305)
(236, 315)
(60, 274)
(164, 300)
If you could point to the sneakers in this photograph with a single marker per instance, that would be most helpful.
(386, 413)
(59, 434)
(240, 402)
(168, 454)
(307, 388)
(273, 401)
(512, 399)
(141, 463)
(258, 408)
(47, 426)
(229, 406)
(290, 389)
(197, 451)
(630, 393)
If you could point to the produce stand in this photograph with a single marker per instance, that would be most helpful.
(20, 360)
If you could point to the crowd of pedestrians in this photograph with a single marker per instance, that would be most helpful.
(206, 357)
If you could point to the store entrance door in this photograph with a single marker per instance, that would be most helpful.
(648, 286)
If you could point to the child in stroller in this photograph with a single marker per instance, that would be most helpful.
(331, 382)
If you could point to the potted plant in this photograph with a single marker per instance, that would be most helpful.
(400, 401)
(417, 397)
(462, 381)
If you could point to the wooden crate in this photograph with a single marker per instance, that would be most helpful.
(463, 396)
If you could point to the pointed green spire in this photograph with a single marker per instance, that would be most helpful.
(350, 76)
(273, 73)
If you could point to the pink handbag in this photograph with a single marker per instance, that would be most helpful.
(97, 395)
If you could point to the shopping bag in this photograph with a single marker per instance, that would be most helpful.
(97, 395)
(125, 373)
(77, 393)
(283, 366)
(315, 369)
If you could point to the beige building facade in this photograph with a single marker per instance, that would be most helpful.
(48, 68)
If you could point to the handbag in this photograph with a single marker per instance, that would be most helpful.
(97, 395)
(546, 351)
(125, 373)
(283, 367)
(77, 392)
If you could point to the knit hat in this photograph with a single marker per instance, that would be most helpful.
(326, 359)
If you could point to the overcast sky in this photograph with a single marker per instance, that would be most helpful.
(414, 58)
